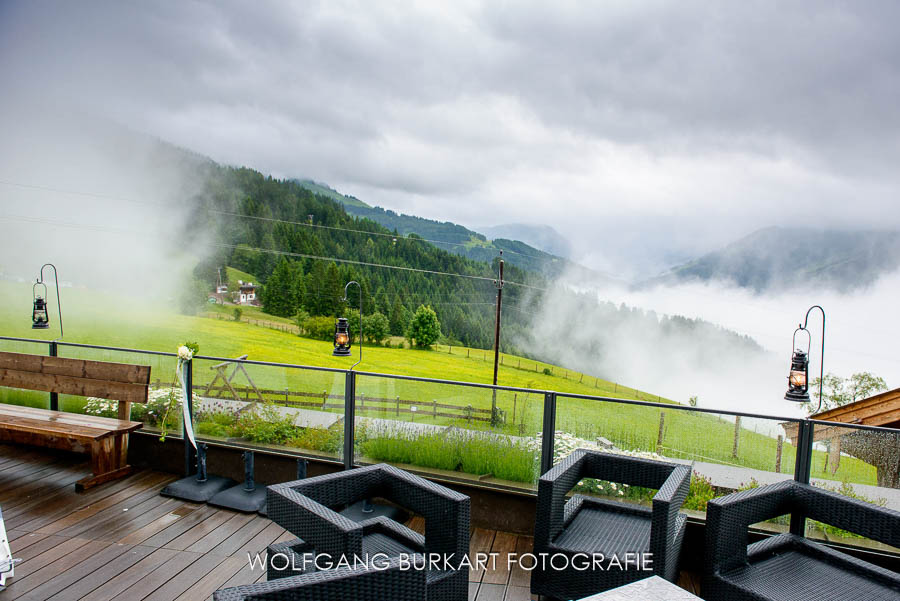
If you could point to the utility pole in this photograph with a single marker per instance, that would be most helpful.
(499, 284)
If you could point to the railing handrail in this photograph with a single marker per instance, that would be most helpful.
(536, 391)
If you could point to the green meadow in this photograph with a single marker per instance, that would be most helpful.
(115, 320)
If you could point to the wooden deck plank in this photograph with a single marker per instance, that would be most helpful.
(246, 575)
(517, 575)
(157, 577)
(136, 537)
(210, 583)
(37, 556)
(186, 578)
(182, 542)
(57, 499)
(175, 530)
(122, 581)
(242, 536)
(75, 573)
(64, 557)
(480, 543)
(137, 517)
(27, 497)
(473, 590)
(519, 593)
(19, 542)
(490, 592)
(103, 511)
(258, 543)
(206, 544)
(70, 506)
(96, 578)
(498, 568)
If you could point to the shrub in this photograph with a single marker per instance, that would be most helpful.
(377, 327)
(238, 312)
(316, 439)
(547, 371)
(700, 494)
(424, 329)
(266, 425)
(320, 328)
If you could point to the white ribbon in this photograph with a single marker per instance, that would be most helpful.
(185, 414)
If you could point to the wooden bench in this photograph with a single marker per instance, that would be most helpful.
(106, 439)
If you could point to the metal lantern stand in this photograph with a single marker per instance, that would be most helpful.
(362, 510)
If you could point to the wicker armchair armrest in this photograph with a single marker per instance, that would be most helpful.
(727, 519)
(446, 512)
(552, 489)
(327, 531)
(666, 503)
(878, 523)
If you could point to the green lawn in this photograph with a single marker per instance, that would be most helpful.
(119, 321)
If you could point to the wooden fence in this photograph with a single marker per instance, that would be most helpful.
(293, 398)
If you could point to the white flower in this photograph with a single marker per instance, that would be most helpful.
(184, 353)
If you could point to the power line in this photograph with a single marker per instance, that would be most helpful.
(268, 250)
(257, 217)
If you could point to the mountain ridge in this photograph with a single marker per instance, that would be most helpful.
(782, 258)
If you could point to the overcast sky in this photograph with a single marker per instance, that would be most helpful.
(644, 131)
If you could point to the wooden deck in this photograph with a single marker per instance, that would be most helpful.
(123, 541)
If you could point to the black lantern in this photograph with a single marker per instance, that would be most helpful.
(341, 338)
(798, 379)
(39, 319)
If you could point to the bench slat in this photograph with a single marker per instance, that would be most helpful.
(105, 424)
(77, 368)
(120, 391)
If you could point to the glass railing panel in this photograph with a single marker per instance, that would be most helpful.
(858, 463)
(451, 431)
(287, 409)
(161, 405)
(724, 453)
(18, 396)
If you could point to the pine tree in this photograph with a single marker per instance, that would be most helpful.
(279, 294)
(399, 318)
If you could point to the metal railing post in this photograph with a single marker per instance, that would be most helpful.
(349, 418)
(190, 455)
(802, 469)
(548, 431)
(54, 396)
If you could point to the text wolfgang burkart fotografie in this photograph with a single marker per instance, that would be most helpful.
(310, 562)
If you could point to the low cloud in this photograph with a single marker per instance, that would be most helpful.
(578, 325)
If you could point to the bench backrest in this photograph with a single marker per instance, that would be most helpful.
(119, 381)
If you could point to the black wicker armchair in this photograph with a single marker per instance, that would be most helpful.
(584, 528)
(377, 582)
(792, 567)
(306, 508)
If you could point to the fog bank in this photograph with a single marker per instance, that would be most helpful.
(721, 370)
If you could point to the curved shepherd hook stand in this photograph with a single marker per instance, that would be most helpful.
(360, 318)
(822, 354)
(58, 305)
